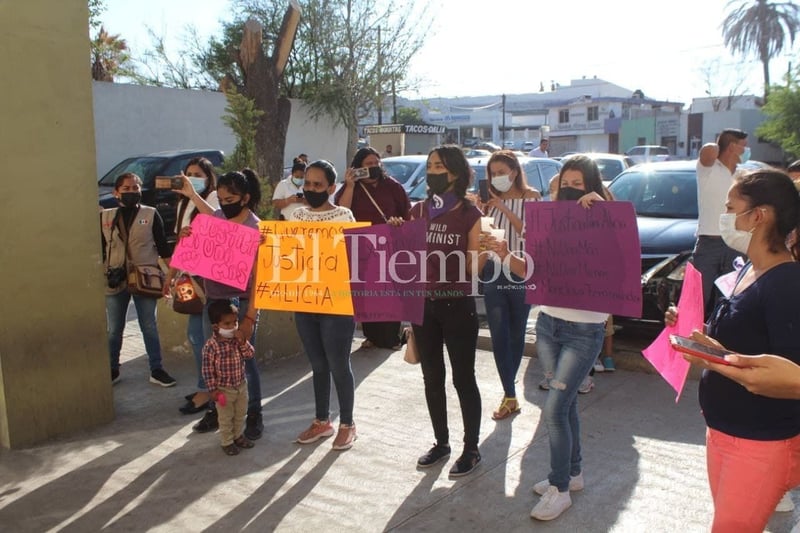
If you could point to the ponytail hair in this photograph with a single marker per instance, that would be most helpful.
(241, 183)
(769, 187)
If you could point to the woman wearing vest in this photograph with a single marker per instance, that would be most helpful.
(450, 319)
(378, 199)
(132, 233)
(200, 175)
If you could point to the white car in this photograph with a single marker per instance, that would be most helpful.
(648, 153)
(409, 170)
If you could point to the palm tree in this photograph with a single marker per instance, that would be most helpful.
(761, 27)
(109, 56)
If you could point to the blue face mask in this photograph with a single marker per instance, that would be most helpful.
(199, 184)
(745, 157)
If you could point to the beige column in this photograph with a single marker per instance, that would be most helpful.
(54, 370)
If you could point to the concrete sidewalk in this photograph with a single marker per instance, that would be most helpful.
(644, 460)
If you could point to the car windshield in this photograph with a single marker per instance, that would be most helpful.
(402, 171)
(144, 167)
(665, 194)
(609, 168)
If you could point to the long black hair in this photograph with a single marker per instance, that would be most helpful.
(592, 179)
(776, 189)
(241, 183)
(455, 161)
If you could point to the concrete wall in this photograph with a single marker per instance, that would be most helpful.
(744, 119)
(54, 371)
(135, 119)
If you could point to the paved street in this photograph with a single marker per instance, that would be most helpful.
(147, 471)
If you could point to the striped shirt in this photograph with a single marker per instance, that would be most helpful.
(223, 362)
(516, 241)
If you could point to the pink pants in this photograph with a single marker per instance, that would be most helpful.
(748, 478)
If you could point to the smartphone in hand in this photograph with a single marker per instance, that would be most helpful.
(169, 182)
(483, 190)
(697, 349)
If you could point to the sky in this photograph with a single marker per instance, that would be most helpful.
(670, 50)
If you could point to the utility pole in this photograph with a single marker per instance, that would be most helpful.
(380, 60)
(394, 102)
(503, 130)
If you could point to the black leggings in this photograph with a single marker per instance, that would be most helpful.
(452, 322)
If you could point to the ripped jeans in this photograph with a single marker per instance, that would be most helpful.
(567, 351)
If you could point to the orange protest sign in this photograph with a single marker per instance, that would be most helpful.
(302, 266)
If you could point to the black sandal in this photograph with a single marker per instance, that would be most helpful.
(231, 449)
(243, 442)
(189, 408)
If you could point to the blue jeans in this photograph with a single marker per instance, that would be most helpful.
(567, 351)
(327, 340)
(507, 314)
(116, 313)
(250, 365)
(194, 332)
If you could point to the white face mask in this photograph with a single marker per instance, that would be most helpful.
(501, 183)
(745, 157)
(736, 239)
(226, 333)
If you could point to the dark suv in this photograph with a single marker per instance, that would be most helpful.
(148, 167)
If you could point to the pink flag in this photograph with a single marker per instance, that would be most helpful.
(669, 363)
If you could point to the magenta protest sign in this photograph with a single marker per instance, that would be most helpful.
(385, 274)
(218, 250)
(584, 258)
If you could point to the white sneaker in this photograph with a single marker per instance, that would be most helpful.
(552, 504)
(586, 385)
(598, 366)
(575, 484)
(785, 505)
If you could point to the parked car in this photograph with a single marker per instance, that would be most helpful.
(648, 153)
(409, 170)
(527, 146)
(538, 171)
(477, 153)
(486, 145)
(148, 167)
(509, 145)
(610, 165)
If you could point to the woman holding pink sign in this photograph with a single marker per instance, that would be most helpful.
(504, 292)
(239, 194)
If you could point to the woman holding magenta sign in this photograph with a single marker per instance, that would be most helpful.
(327, 339)
(504, 294)
(453, 263)
(239, 194)
(753, 442)
(376, 198)
(567, 343)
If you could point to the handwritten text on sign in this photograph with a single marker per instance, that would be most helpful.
(219, 250)
(584, 258)
(302, 266)
(385, 275)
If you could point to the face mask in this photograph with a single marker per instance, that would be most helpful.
(231, 210)
(298, 182)
(437, 183)
(226, 333)
(315, 198)
(130, 199)
(199, 184)
(570, 194)
(745, 157)
(501, 183)
(736, 239)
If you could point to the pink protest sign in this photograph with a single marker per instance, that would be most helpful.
(386, 280)
(670, 363)
(584, 258)
(218, 250)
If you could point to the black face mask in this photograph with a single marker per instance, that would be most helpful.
(437, 183)
(314, 198)
(130, 199)
(570, 194)
(231, 210)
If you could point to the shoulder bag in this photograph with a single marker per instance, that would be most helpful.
(144, 280)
